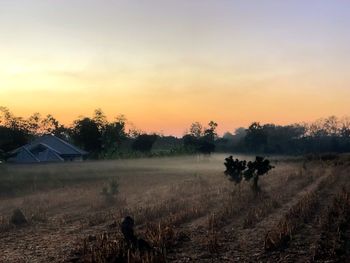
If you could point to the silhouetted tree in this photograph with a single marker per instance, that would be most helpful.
(259, 167)
(282, 138)
(207, 141)
(200, 140)
(12, 138)
(196, 130)
(255, 138)
(205, 146)
(236, 170)
(33, 124)
(317, 129)
(133, 132)
(7, 119)
(240, 132)
(97, 135)
(13, 132)
(100, 119)
(331, 126)
(190, 142)
(50, 125)
(113, 135)
(210, 132)
(168, 144)
(144, 142)
(86, 133)
(345, 128)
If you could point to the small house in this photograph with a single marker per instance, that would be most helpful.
(47, 148)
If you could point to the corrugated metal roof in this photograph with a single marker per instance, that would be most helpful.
(49, 156)
(47, 148)
(24, 156)
(58, 145)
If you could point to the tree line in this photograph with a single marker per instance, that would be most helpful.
(328, 135)
(95, 134)
(112, 139)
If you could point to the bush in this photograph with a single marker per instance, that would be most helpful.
(237, 170)
(110, 191)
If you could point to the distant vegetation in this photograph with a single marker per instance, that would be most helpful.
(322, 136)
(105, 139)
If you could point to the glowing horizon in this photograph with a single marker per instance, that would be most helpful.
(172, 63)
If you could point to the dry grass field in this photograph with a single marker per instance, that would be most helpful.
(184, 207)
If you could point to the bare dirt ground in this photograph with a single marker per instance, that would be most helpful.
(188, 210)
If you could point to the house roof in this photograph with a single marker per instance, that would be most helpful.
(54, 144)
(47, 148)
(24, 156)
(38, 154)
(49, 155)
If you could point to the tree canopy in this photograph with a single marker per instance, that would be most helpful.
(104, 138)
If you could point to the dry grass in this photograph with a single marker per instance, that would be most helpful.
(171, 200)
(283, 232)
(213, 239)
(334, 230)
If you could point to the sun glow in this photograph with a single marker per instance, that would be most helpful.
(169, 66)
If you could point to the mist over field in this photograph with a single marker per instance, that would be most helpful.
(16, 179)
(183, 205)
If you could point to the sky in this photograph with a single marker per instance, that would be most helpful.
(165, 64)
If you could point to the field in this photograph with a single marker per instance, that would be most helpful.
(184, 207)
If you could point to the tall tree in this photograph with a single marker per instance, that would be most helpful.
(13, 131)
(11, 138)
(345, 127)
(199, 139)
(86, 133)
(34, 124)
(331, 126)
(113, 134)
(256, 137)
(210, 131)
(196, 130)
(9, 120)
(100, 119)
(50, 125)
(206, 142)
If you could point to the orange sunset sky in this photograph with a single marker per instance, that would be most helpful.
(165, 64)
